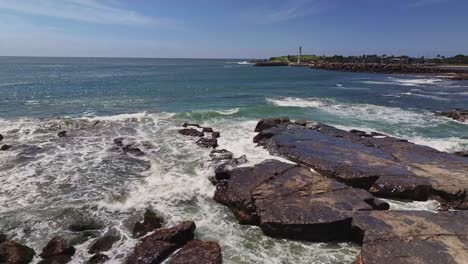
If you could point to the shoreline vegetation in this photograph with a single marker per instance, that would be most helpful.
(455, 68)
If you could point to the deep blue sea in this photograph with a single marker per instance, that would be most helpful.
(46, 181)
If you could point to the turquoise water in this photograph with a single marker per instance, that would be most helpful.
(46, 180)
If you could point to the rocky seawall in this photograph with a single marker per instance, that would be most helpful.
(333, 191)
(391, 69)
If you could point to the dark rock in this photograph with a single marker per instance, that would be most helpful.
(188, 124)
(207, 129)
(462, 153)
(216, 135)
(291, 201)
(156, 247)
(85, 224)
(240, 160)
(14, 253)
(197, 251)
(56, 247)
(60, 259)
(151, 221)
(3, 238)
(301, 122)
(387, 167)
(5, 147)
(376, 134)
(133, 150)
(191, 132)
(222, 169)
(98, 259)
(62, 134)
(207, 142)
(103, 243)
(411, 237)
(1, 137)
(270, 122)
(118, 142)
(456, 114)
(221, 154)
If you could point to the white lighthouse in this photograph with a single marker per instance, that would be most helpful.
(300, 54)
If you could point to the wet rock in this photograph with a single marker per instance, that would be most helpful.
(60, 259)
(98, 259)
(62, 134)
(270, 122)
(3, 238)
(151, 222)
(462, 153)
(207, 129)
(222, 169)
(5, 147)
(221, 154)
(1, 137)
(216, 135)
(118, 142)
(15, 253)
(103, 243)
(456, 114)
(85, 224)
(189, 124)
(197, 251)
(386, 166)
(301, 122)
(157, 246)
(56, 247)
(207, 142)
(133, 150)
(411, 237)
(191, 132)
(291, 201)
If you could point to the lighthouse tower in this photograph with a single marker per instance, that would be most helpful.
(300, 54)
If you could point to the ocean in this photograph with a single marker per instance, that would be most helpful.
(47, 181)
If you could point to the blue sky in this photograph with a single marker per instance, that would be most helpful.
(232, 29)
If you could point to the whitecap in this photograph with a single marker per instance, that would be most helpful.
(298, 102)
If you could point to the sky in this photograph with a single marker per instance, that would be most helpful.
(232, 28)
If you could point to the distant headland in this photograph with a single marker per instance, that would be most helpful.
(455, 67)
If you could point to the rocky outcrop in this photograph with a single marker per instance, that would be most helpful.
(58, 250)
(456, 114)
(271, 63)
(191, 132)
(386, 166)
(12, 252)
(389, 69)
(151, 221)
(159, 245)
(271, 122)
(207, 142)
(5, 147)
(103, 243)
(197, 251)
(291, 201)
(411, 237)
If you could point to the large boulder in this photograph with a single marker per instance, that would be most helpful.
(103, 243)
(411, 237)
(151, 221)
(12, 252)
(57, 247)
(197, 251)
(386, 166)
(207, 142)
(270, 122)
(191, 132)
(291, 201)
(156, 247)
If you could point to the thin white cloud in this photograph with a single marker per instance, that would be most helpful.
(289, 10)
(420, 3)
(92, 11)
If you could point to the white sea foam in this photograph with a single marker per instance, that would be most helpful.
(298, 102)
(406, 82)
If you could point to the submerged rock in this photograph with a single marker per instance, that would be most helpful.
(62, 134)
(456, 114)
(197, 251)
(118, 142)
(191, 132)
(103, 243)
(291, 201)
(85, 224)
(156, 247)
(207, 142)
(98, 259)
(151, 222)
(15, 253)
(386, 166)
(5, 147)
(133, 150)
